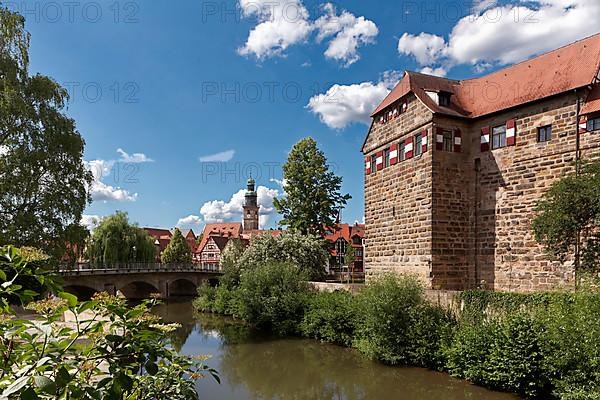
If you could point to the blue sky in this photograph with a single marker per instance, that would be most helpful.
(184, 81)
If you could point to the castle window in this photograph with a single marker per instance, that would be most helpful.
(499, 137)
(444, 99)
(373, 163)
(448, 141)
(545, 133)
(418, 144)
(386, 158)
(402, 151)
(593, 124)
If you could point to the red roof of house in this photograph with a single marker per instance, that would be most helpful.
(227, 229)
(567, 68)
(345, 231)
(592, 103)
(159, 233)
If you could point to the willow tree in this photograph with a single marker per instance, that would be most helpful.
(43, 179)
(115, 240)
(312, 191)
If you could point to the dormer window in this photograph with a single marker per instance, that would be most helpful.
(444, 99)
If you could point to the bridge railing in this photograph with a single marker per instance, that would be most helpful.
(124, 268)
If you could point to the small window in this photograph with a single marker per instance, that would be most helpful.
(402, 151)
(545, 133)
(444, 99)
(499, 137)
(373, 163)
(386, 157)
(593, 124)
(418, 142)
(448, 142)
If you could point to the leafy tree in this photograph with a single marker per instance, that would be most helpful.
(230, 262)
(350, 255)
(313, 197)
(177, 251)
(306, 252)
(115, 240)
(569, 218)
(43, 180)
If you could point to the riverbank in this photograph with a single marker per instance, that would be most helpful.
(539, 345)
(255, 364)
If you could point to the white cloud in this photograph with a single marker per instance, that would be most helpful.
(348, 31)
(440, 71)
(426, 48)
(190, 220)
(101, 191)
(342, 105)
(232, 210)
(501, 35)
(281, 24)
(135, 158)
(223, 156)
(90, 221)
(481, 5)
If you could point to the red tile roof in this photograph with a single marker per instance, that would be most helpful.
(592, 104)
(227, 229)
(159, 233)
(347, 232)
(567, 68)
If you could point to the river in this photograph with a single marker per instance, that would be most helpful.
(254, 366)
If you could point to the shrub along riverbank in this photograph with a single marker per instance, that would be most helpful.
(543, 346)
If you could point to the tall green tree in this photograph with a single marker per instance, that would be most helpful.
(350, 255)
(177, 251)
(568, 222)
(115, 240)
(312, 191)
(43, 179)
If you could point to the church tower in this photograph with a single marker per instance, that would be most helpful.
(250, 207)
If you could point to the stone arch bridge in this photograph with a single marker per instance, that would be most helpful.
(137, 281)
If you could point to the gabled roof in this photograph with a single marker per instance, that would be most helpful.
(159, 233)
(565, 69)
(226, 229)
(346, 232)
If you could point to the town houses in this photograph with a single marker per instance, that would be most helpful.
(215, 237)
(454, 169)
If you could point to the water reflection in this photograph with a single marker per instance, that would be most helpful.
(255, 366)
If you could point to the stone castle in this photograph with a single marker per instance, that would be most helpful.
(454, 169)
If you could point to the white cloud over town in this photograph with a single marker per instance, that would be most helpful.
(285, 23)
(232, 210)
(189, 221)
(348, 32)
(280, 25)
(503, 34)
(342, 105)
(134, 158)
(101, 170)
(223, 156)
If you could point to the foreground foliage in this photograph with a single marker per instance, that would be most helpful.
(542, 346)
(110, 350)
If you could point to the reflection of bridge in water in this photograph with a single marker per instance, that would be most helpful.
(137, 280)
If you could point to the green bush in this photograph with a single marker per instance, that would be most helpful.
(504, 353)
(397, 325)
(330, 317)
(205, 302)
(272, 296)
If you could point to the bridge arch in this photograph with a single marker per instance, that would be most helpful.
(136, 290)
(82, 292)
(182, 287)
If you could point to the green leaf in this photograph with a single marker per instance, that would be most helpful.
(63, 377)
(70, 298)
(45, 384)
(29, 394)
(152, 368)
